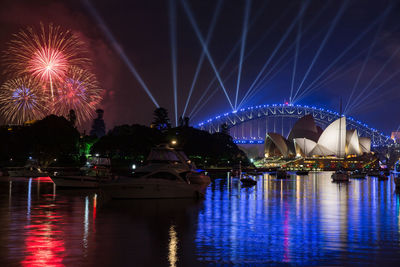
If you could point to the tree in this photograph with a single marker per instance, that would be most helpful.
(98, 126)
(52, 139)
(161, 120)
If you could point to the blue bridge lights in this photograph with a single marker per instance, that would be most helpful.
(253, 123)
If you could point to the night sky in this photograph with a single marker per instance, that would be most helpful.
(142, 30)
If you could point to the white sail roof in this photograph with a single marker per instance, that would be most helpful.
(352, 143)
(332, 141)
(277, 141)
(305, 145)
(365, 144)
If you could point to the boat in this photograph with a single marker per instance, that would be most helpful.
(26, 171)
(282, 174)
(340, 176)
(166, 156)
(167, 174)
(397, 182)
(357, 174)
(96, 171)
(382, 177)
(302, 172)
(374, 173)
(397, 167)
(248, 181)
(164, 182)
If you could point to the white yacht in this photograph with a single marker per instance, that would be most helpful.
(96, 171)
(166, 156)
(161, 183)
(168, 174)
(26, 171)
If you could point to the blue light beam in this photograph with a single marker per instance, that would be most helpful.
(236, 46)
(172, 28)
(281, 41)
(118, 49)
(348, 48)
(296, 55)
(287, 51)
(205, 48)
(366, 59)
(321, 47)
(200, 63)
(358, 99)
(242, 47)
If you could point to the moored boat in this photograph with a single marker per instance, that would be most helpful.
(382, 177)
(167, 174)
(161, 183)
(96, 171)
(340, 176)
(357, 174)
(282, 174)
(302, 172)
(397, 182)
(26, 171)
(248, 181)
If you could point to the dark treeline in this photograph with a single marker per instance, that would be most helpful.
(52, 140)
(55, 141)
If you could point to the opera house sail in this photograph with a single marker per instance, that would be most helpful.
(307, 140)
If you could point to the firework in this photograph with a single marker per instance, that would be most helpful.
(45, 54)
(79, 91)
(22, 100)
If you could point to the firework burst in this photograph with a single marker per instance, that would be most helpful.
(79, 91)
(45, 54)
(22, 100)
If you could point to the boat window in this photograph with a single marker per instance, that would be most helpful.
(162, 155)
(163, 175)
(182, 155)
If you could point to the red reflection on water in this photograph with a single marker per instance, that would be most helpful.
(44, 245)
(43, 179)
(94, 207)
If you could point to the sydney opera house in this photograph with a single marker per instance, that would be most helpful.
(306, 139)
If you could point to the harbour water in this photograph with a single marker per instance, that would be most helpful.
(306, 220)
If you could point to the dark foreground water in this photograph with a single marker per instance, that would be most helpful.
(302, 221)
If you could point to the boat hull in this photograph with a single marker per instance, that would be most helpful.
(151, 190)
(25, 173)
(397, 182)
(76, 181)
(340, 177)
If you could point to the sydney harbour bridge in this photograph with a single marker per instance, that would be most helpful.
(250, 125)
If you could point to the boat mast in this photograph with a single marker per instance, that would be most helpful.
(340, 129)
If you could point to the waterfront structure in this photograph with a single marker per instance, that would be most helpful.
(249, 126)
(307, 140)
(395, 136)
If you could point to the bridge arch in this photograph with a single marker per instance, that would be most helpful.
(250, 125)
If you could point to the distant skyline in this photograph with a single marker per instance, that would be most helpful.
(322, 35)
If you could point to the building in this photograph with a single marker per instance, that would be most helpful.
(395, 136)
(306, 139)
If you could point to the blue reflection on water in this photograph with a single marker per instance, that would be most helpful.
(304, 220)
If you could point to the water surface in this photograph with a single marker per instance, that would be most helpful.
(302, 221)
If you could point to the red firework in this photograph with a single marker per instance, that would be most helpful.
(46, 53)
(80, 91)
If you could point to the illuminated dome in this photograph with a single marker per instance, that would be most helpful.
(277, 145)
(307, 139)
(305, 127)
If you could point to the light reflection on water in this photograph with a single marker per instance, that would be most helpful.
(301, 221)
(306, 220)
